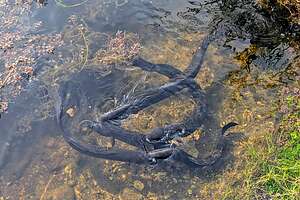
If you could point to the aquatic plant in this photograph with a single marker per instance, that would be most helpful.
(21, 48)
(119, 49)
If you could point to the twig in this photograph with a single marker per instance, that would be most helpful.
(46, 187)
(85, 44)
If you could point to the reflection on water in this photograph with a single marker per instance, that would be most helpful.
(242, 74)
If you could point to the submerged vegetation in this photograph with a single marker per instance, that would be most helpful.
(21, 49)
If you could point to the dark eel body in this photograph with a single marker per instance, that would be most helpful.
(156, 145)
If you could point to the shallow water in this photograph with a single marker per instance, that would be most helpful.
(241, 79)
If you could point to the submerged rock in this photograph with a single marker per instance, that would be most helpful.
(138, 185)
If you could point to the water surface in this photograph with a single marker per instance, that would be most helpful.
(242, 74)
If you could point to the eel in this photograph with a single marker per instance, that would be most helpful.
(155, 145)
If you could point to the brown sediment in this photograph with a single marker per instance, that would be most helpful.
(171, 111)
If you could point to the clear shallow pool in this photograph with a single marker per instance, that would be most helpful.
(243, 75)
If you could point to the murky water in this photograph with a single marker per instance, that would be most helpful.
(242, 76)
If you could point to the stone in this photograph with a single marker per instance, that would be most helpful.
(138, 185)
(151, 196)
(71, 112)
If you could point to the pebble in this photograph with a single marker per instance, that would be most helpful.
(138, 185)
(71, 112)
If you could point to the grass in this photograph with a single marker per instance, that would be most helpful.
(278, 162)
(269, 162)
(278, 175)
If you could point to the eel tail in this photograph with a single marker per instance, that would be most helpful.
(228, 126)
